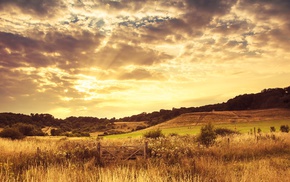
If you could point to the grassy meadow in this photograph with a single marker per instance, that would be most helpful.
(242, 127)
(172, 159)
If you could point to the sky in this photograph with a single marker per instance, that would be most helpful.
(116, 58)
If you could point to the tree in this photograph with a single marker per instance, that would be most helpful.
(154, 134)
(272, 129)
(28, 129)
(284, 128)
(11, 133)
(207, 135)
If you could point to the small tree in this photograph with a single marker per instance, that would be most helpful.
(272, 129)
(207, 135)
(153, 134)
(284, 128)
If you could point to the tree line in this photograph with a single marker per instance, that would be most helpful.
(267, 98)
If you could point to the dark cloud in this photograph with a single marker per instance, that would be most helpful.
(64, 49)
(266, 9)
(201, 12)
(277, 37)
(17, 42)
(214, 7)
(234, 43)
(197, 14)
(122, 54)
(233, 26)
(145, 21)
(34, 7)
(131, 6)
(13, 83)
(72, 42)
(15, 48)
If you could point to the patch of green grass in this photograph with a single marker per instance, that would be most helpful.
(135, 134)
(193, 130)
(263, 125)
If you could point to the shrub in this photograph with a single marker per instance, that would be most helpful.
(173, 134)
(225, 131)
(207, 135)
(28, 129)
(284, 128)
(11, 133)
(153, 134)
(56, 132)
(140, 127)
(272, 129)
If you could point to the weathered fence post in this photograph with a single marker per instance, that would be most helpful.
(99, 151)
(145, 149)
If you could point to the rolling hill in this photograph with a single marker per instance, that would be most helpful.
(198, 118)
(242, 108)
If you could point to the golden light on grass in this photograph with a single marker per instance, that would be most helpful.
(176, 158)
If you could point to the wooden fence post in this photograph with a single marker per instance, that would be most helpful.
(145, 149)
(99, 151)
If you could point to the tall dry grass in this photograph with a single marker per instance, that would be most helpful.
(176, 158)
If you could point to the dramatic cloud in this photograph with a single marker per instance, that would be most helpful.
(112, 58)
(39, 7)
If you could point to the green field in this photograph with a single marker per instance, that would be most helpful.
(193, 130)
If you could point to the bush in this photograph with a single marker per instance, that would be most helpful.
(272, 129)
(284, 128)
(11, 133)
(56, 132)
(28, 129)
(225, 131)
(207, 135)
(140, 127)
(173, 134)
(153, 134)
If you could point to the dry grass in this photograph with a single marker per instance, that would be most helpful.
(177, 158)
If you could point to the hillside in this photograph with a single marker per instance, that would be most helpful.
(234, 110)
(266, 99)
(197, 118)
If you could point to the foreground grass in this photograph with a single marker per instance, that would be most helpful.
(177, 158)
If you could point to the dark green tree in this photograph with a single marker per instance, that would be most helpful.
(11, 133)
(284, 128)
(154, 134)
(207, 135)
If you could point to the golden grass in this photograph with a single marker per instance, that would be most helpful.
(173, 159)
